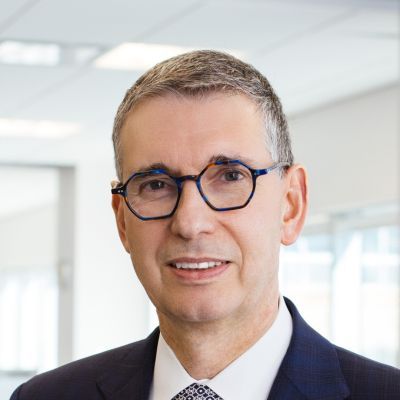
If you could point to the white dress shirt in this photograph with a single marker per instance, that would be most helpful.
(248, 377)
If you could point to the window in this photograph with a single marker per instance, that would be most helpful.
(345, 280)
(28, 277)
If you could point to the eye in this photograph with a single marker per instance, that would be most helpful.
(155, 185)
(232, 175)
(151, 185)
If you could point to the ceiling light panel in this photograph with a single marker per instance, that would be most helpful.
(17, 128)
(137, 56)
(26, 53)
(23, 53)
(141, 56)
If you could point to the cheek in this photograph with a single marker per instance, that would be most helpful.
(144, 241)
(258, 235)
(144, 244)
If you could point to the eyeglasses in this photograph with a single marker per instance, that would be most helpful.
(223, 185)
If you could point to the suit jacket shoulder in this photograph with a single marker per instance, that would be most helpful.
(114, 373)
(315, 369)
(368, 379)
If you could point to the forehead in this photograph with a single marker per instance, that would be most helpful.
(185, 132)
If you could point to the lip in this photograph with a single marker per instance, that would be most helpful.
(196, 260)
(198, 275)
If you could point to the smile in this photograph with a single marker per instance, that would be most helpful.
(194, 271)
(200, 265)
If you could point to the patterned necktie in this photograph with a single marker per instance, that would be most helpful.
(197, 392)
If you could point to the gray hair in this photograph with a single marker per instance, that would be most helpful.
(202, 72)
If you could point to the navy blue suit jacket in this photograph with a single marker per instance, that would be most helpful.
(312, 369)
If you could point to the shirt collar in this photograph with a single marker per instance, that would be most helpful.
(250, 376)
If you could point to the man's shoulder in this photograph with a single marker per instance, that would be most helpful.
(88, 367)
(368, 378)
(316, 367)
(83, 377)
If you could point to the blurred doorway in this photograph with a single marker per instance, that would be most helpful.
(36, 271)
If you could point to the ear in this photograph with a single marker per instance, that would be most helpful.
(295, 204)
(119, 208)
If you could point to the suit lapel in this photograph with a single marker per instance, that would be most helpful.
(310, 369)
(130, 377)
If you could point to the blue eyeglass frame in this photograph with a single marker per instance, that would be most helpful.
(255, 173)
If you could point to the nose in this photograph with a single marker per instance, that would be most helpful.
(193, 216)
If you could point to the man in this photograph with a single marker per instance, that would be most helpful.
(207, 193)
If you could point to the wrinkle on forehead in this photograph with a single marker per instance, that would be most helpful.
(186, 132)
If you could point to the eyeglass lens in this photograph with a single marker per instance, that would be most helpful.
(154, 194)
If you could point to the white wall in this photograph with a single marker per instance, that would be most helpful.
(28, 238)
(351, 150)
(110, 306)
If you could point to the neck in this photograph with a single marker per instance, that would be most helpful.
(206, 348)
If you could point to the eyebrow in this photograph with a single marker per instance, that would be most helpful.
(214, 158)
(223, 157)
(151, 167)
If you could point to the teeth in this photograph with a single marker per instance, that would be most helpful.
(202, 265)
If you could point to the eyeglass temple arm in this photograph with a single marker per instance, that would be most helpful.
(265, 171)
(118, 190)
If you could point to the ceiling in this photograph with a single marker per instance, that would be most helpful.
(313, 51)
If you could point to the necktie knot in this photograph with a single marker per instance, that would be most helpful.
(196, 391)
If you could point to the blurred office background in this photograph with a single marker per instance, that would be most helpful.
(67, 289)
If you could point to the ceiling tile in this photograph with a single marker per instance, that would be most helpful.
(22, 86)
(10, 9)
(96, 22)
(331, 64)
(91, 99)
(246, 26)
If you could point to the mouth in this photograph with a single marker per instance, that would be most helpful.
(198, 270)
(197, 265)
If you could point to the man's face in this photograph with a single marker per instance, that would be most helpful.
(185, 134)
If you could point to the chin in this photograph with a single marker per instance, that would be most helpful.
(205, 311)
